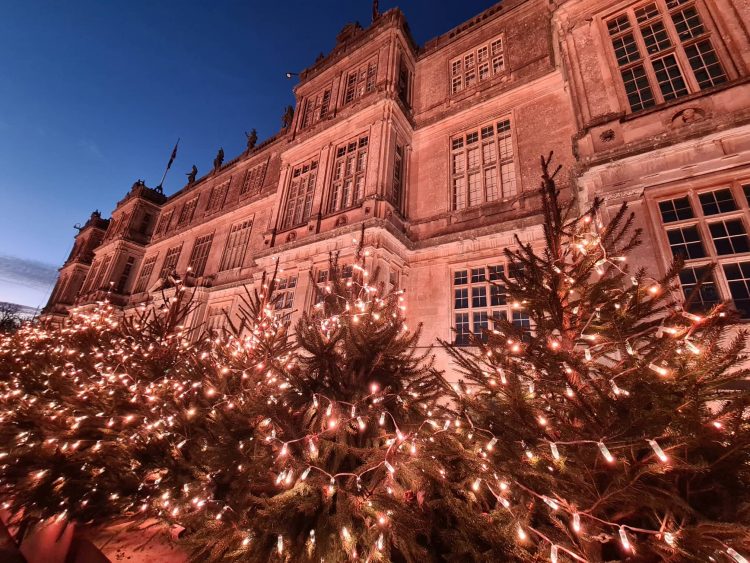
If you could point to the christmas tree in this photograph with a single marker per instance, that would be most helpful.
(260, 445)
(615, 426)
(330, 469)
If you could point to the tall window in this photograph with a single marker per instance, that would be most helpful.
(349, 169)
(477, 65)
(216, 199)
(478, 297)
(145, 274)
(187, 211)
(125, 275)
(234, 251)
(396, 195)
(92, 276)
(710, 227)
(216, 318)
(360, 81)
(316, 108)
(284, 297)
(663, 50)
(164, 221)
(170, 261)
(199, 254)
(300, 195)
(403, 87)
(253, 180)
(482, 165)
(100, 280)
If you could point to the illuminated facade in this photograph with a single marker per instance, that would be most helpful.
(435, 150)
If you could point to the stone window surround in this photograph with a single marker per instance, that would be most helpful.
(711, 34)
(702, 222)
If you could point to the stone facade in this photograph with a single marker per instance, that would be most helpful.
(434, 150)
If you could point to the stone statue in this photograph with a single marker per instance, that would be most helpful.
(252, 138)
(286, 119)
(375, 10)
(320, 57)
(192, 174)
(219, 159)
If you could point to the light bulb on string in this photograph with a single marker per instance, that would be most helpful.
(624, 539)
(657, 449)
(605, 452)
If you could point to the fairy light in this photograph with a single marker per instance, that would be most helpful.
(553, 553)
(555, 451)
(736, 556)
(576, 522)
(660, 370)
(658, 451)
(521, 533)
(605, 452)
(624, 539)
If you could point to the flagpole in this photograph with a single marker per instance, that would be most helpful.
(160, 187)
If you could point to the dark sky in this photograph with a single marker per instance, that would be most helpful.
(94, 94)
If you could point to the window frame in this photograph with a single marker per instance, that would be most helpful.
(236, 245)
(144, 274)
(740, 191)
(199, 254)
(253, 179)
(501, 145)
(338, 198)
(365, 80)
(678, 48)
(457, 66)
(302, 200)
(464, 279)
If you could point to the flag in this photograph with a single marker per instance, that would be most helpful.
(174, 154)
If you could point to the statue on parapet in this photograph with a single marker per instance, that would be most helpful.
(192, 174)
(286, 119)
(252, 139)
(219, 159)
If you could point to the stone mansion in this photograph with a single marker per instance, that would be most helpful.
(435, 149)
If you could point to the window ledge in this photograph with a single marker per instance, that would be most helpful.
(681, 100)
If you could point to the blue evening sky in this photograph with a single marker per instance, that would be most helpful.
(94, 94)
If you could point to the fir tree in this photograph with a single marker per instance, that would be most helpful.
(616, 428)
(330, 469)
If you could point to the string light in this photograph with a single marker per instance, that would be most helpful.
(605, 452)
(657, 449)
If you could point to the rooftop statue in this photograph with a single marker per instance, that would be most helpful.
(219, 159)
(192, 174)
(286, 119)
(252, 139)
